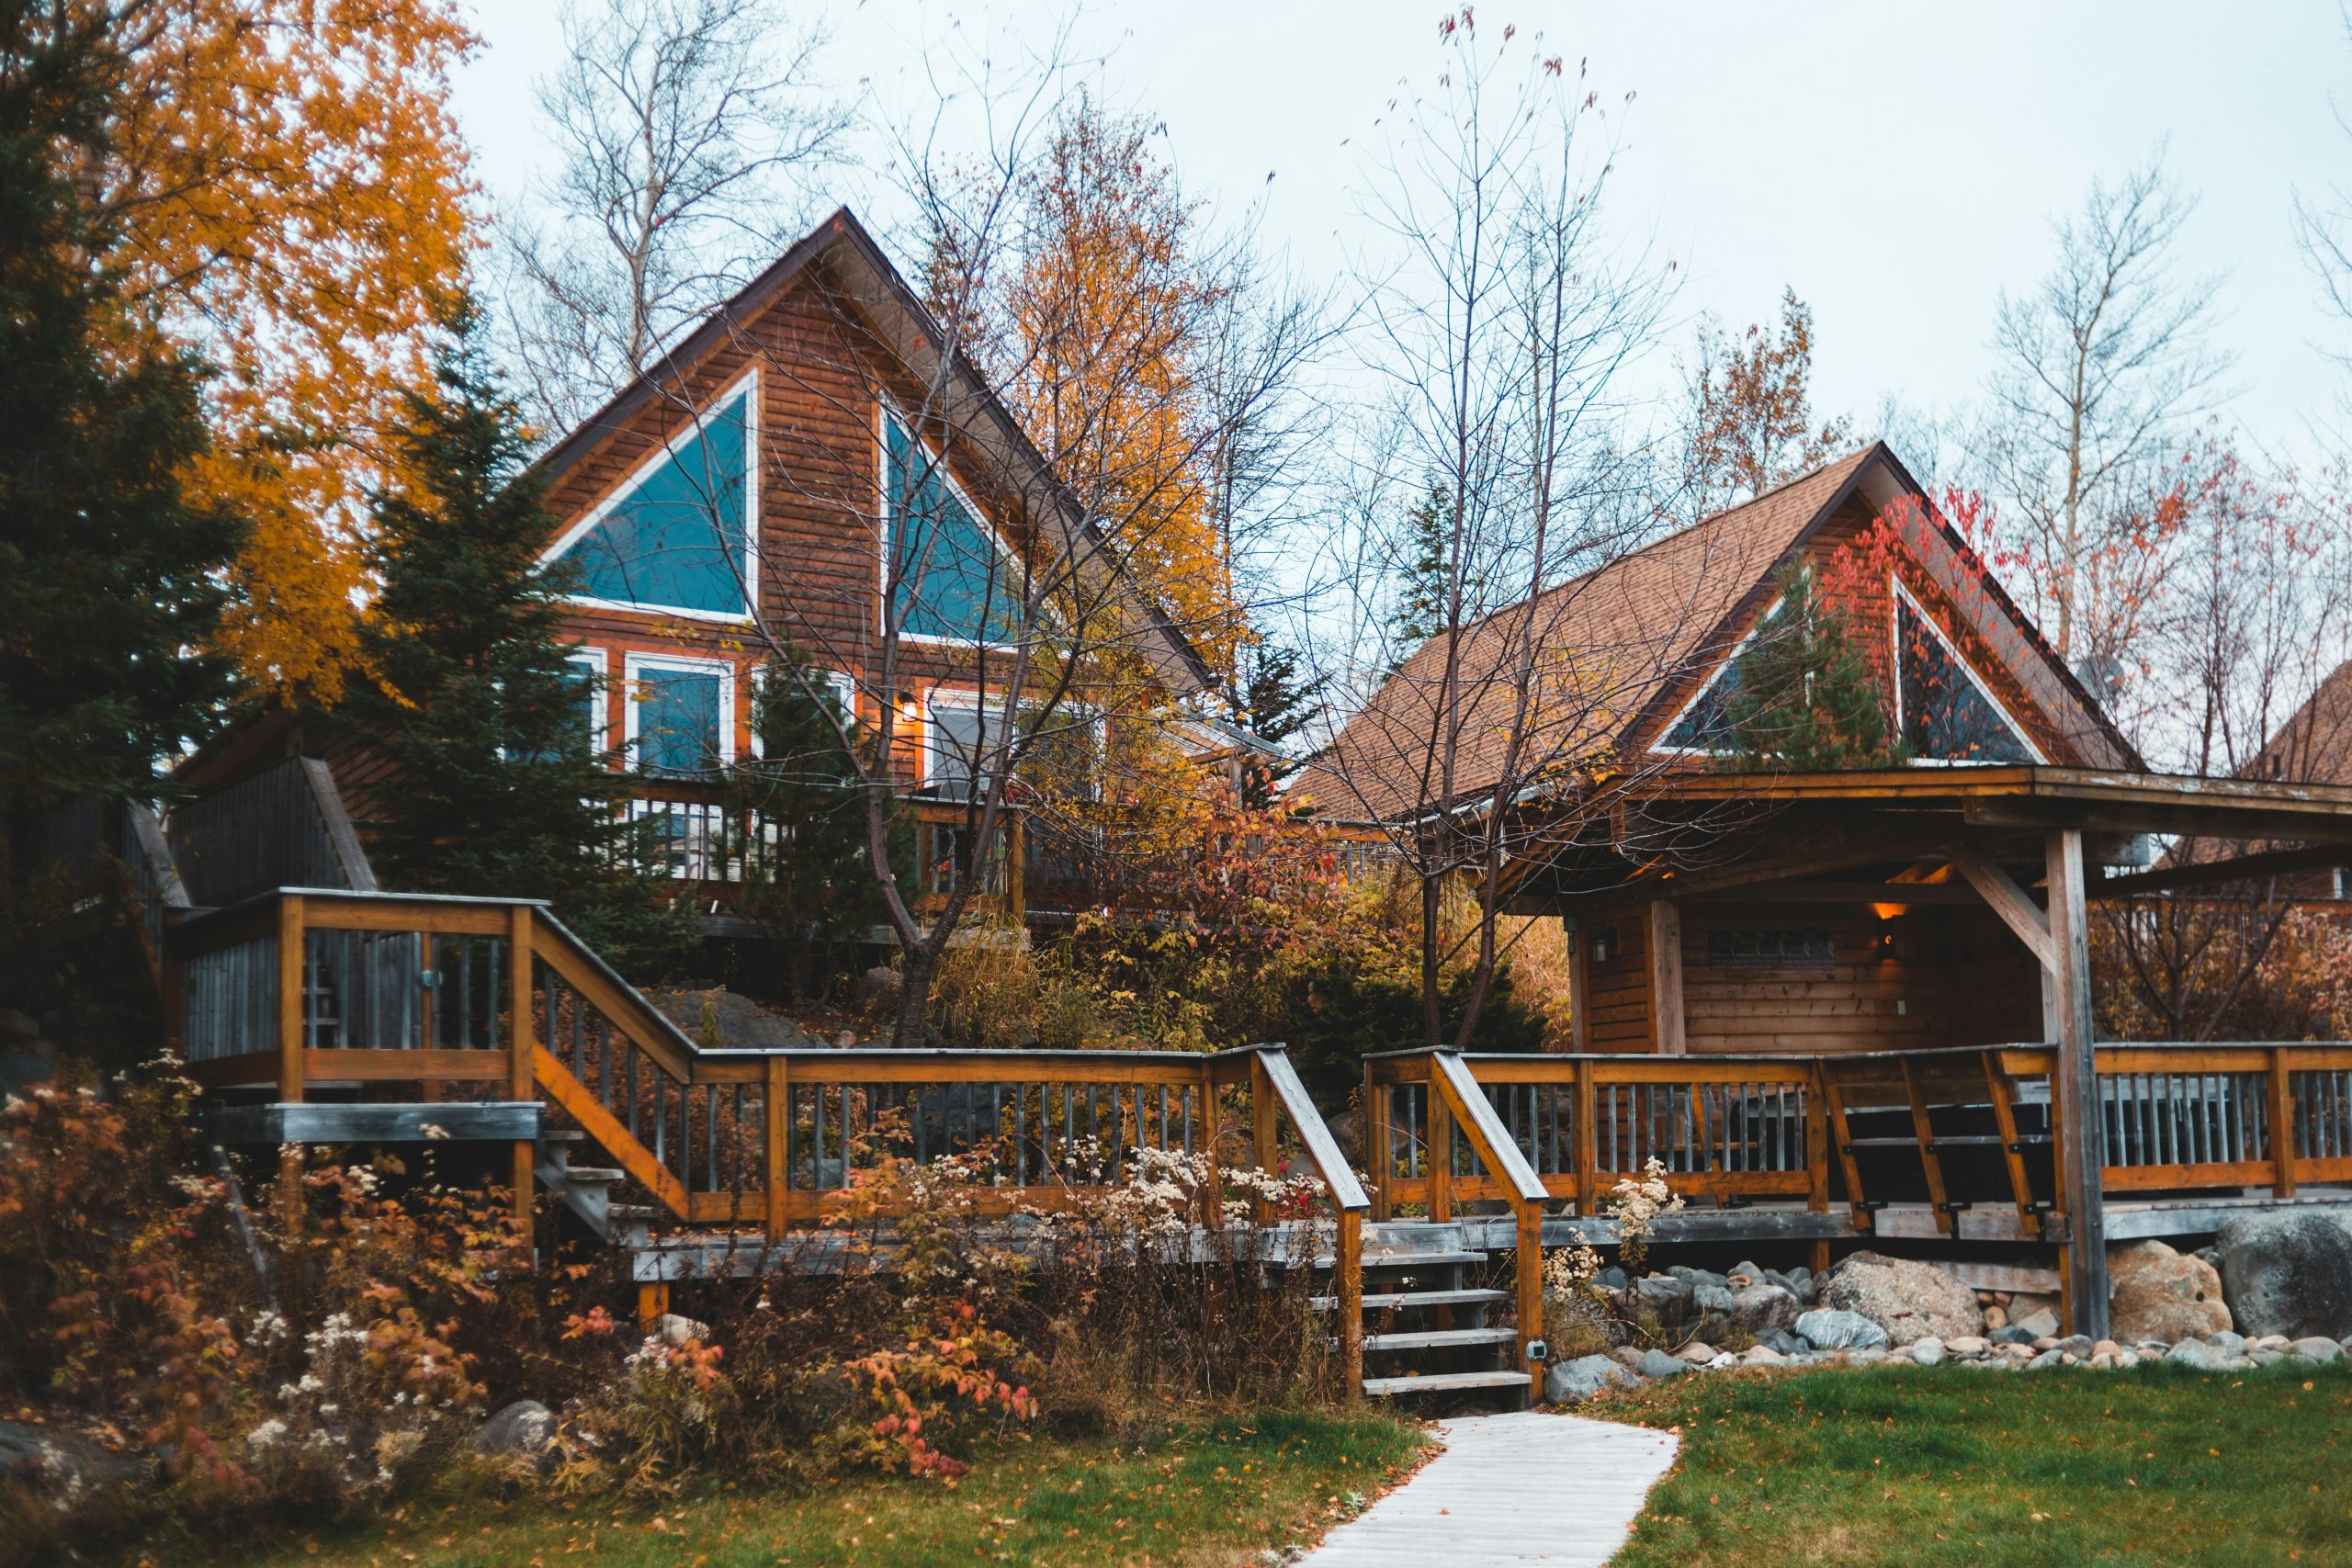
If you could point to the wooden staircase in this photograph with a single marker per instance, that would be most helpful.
(1426, 1321)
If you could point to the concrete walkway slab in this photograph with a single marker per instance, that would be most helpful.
(1523, 1487)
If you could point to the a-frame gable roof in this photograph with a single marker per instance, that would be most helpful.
(854, 268)
(1664, 618)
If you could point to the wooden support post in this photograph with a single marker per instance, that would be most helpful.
(1529, 1257)
(521, 1078)
(776, 1113)
(2074, 1090)
(1841, 1139)
(2005, 1121)
(1346, 1285)
(2282, 1125)
(1579, 986)
(1264, 1135)
(1440, 1144)
(291, 960)
(1584, 1134)
(1665, 936)
(1213, 1179)
(1379, 1142)
(1817, 1164)
(652, 1302)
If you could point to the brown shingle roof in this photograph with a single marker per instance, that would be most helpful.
(1610, 643)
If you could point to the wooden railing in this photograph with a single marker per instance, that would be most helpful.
(303, 988)
(1950, 1130)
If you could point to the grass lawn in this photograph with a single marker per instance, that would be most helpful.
(1214, 1494)
(1928, 1467)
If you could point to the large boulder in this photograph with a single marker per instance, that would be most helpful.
(727, 1019)
(1910, 1300)
(2157, 1293)
(59, 1466)
(1572, 1382)
(2287, 1272)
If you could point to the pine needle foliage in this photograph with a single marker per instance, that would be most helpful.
(1804, 700)
(497, 781)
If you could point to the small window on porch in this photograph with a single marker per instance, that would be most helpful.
(1815, 950)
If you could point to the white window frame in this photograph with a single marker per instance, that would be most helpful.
(600, 717)
(1739, 649)
(837, 681)
(887, 412)
(964, 699)
(1895, 601)
(634, 665)
(748, 384)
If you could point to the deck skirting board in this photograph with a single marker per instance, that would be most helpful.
(328, 1121)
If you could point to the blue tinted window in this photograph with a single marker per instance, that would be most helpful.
(675, 540)
(1704, 728)
(1945, 716)
(947, 577)
(678, 716)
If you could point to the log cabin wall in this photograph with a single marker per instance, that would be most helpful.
(814, 443)
(1816, 978)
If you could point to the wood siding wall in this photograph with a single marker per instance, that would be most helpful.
(1928, 977)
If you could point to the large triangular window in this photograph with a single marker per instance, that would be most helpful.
(677, 536)
(950, 580)
(1704, 723)
(1948, 715)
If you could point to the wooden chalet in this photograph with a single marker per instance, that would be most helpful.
(749, 489)
(1871, 982)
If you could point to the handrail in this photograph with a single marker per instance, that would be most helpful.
(1338, 1179)
(1525, 1194)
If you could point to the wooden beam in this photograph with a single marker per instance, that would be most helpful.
(2235, 868)
(1579, 986)
(1666, 1036)
(344, 1122)
(1811, 891)
(2009, 901)
(2073, 1083)
(521, 1067)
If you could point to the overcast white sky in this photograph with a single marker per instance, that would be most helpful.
(1897, 164)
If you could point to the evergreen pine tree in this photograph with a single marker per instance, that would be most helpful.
(1426, 590)
(807, 876)
(1804, 699)
(109, 576)
(1275, 702)
(496, 784)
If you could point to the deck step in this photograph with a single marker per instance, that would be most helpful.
(1400, 1299)
(595, 1173)
(562, 1136)
(1441, 1383)
(1440, 1338)
(634, 1211)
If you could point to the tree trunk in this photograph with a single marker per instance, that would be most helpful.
(1431, 1025)
(914, 998)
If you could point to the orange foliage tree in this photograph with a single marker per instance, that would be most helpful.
(293, 197)
(1751, 411)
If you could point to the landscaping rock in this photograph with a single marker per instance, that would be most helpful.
(2047, 1358)
(58, 1465)
(1658, 1364)
(2192, 1353)
(1572, 1382)
(2039, 1324)
(1669, 1298)
(1610, 1278)
(1628, 1357)
(523, 1430)
(1697, 1353)
(1740, 1276)
(1697, 1277)
(1909, 1299)
(2287, 1273)
(737, 1021)
(2315, 1347)
(2268, 1357)
(1928, 1352)
(1836, 1329)
(2159, 1293)
(674, 1330)
(2226, 1343)
(1784, 1340)
(1764, 1356)
(2011, 1334)
(2076, 1345)
(1759, 1308)
(1802, 1284)
(1713, 1298)
(1968, 1345)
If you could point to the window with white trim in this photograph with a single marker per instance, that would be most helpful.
(677, 536)
(681, 714)
(1944, 710)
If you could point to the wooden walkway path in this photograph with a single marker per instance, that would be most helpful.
(1525, 1487)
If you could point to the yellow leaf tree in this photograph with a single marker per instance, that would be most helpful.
(294, 200)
